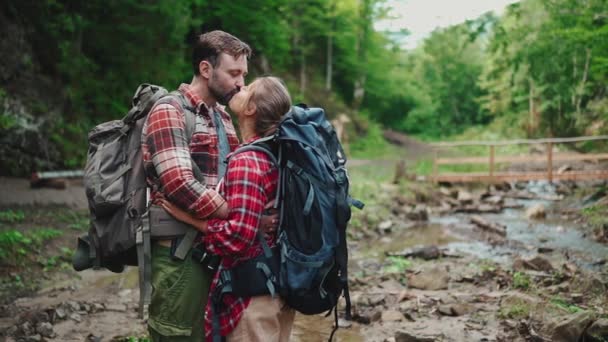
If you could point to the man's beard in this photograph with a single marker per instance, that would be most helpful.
(222, 97)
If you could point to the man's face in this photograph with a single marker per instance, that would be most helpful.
(227, 77)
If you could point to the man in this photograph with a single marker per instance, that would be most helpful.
(180, 287)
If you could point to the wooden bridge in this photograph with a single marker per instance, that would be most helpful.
(547, 160)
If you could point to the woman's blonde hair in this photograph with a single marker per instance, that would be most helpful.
(272, 101)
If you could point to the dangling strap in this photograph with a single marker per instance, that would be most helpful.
(144, 260)
(333, 331)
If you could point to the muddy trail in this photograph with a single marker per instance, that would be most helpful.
(515, 262)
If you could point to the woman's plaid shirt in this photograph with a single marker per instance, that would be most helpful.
(250, 183)
(167, 160)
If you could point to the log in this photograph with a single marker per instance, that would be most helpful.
(493, 227)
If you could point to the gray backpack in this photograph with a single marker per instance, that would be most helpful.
(116, 190)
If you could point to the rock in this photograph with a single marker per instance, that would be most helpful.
(34, 338)
(593, 285)
(445, 310)
(391, 285)
(464, 197)
(390, 339)
(432, 279)
(45, 329)
(419, 213)
(60, 313)
(392, 316)
(571, 328)
(598, 331)
(385, 227)
(402, 336)
(454, 309)
(73, 306)
(76, 317)
(342, 323)
(376, 316)
(376, 299)
(565, 168)
(97, 307)
(537, 263)
(535, 212)
(426, 253)
(26, 328)
(494, 200)
(116, 307)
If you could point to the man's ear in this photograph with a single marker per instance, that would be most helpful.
(205, 69)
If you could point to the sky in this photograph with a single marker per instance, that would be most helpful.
(421, 17)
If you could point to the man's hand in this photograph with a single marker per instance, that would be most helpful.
(269, 222)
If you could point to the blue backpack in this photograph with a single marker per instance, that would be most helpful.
(308, 267)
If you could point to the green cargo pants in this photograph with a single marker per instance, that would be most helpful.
(179, 296)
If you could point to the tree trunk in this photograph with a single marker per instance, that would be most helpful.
(302, 73)
(581, 88)
(330, 57)
(359, 86)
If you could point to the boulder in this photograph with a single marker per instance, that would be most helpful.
(535, 212)
(431, 279)
(392, 316)
(571, 328)
(598, 331)
(465, 197)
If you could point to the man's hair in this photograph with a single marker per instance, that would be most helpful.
(210, 45)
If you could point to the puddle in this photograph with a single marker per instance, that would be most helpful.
(423, 235)
(318, 328)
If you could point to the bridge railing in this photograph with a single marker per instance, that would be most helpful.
(549, 159)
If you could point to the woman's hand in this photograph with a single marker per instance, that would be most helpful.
(181, 215)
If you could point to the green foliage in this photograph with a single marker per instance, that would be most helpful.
(596, 214)
(541, 67)
(11, 216)
(372, 145)
(564, 304)
(521, 281)
(397, 265)
(516, 311)
(15, 245)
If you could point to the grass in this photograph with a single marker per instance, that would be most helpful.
(11, 216)
(563, 304)
(397, 265)
(596, 214)
(516, 311)
(15, 246)
(521, 281)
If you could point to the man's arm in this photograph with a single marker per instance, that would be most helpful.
(168, 147)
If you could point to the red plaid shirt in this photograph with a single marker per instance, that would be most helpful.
(167, 154)
(250, 183)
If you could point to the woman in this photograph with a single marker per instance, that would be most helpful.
(250, 182)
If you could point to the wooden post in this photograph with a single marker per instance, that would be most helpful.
(435, 166)
(550, 162)
(491, 163)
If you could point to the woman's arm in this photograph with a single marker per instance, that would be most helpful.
(184, 216)
(244, 190)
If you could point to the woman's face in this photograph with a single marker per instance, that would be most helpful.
(239, 102)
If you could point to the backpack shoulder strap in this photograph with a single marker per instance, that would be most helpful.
(177, 98)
